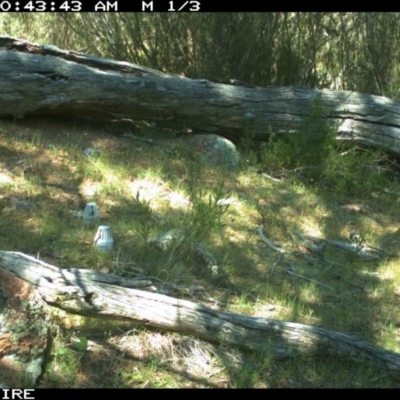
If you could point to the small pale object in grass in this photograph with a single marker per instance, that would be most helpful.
(91, 214)
(355, 237)
(78, 214)
(92, 152)
(103, 239)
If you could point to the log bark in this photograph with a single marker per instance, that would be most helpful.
(42, 79)
(95, 294)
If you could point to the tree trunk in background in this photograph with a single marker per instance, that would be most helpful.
(42, 79)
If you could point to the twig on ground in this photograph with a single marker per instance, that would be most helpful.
(291, 272)
(268, 243)
(365, 252)
(142, 139)
(271, 178)
(279, 259)
(315, 261)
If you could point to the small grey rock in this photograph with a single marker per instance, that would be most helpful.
(34, 370)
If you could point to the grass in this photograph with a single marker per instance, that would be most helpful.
(142, 191)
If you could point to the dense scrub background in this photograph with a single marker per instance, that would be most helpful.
(344, 51)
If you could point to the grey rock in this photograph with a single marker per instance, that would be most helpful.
(34, 370)
(214, 150)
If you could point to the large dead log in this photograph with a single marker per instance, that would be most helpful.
(42, 79)
(95, 294)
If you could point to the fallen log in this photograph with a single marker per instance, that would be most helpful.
(95, 294)
(42, 79)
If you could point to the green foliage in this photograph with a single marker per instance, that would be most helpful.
(346, 51)
(62, 351)
(81, 346)
(305, 151)
(65, 360)
(206, 211)
(142, 207)
(345, 171)
(313, 155)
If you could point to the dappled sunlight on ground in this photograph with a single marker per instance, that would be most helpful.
(142, 191)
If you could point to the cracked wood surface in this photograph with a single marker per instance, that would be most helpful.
(42, 79)
(95, 294)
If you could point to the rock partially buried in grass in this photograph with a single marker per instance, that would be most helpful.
(214, 150)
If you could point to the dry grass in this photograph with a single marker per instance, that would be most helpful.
(42, 163)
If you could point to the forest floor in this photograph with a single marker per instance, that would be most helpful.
(143, 190)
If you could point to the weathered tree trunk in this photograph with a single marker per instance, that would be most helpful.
(37, 79)
(31, 283)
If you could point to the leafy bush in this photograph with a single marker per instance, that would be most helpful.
(306, 150)
(313, 155)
